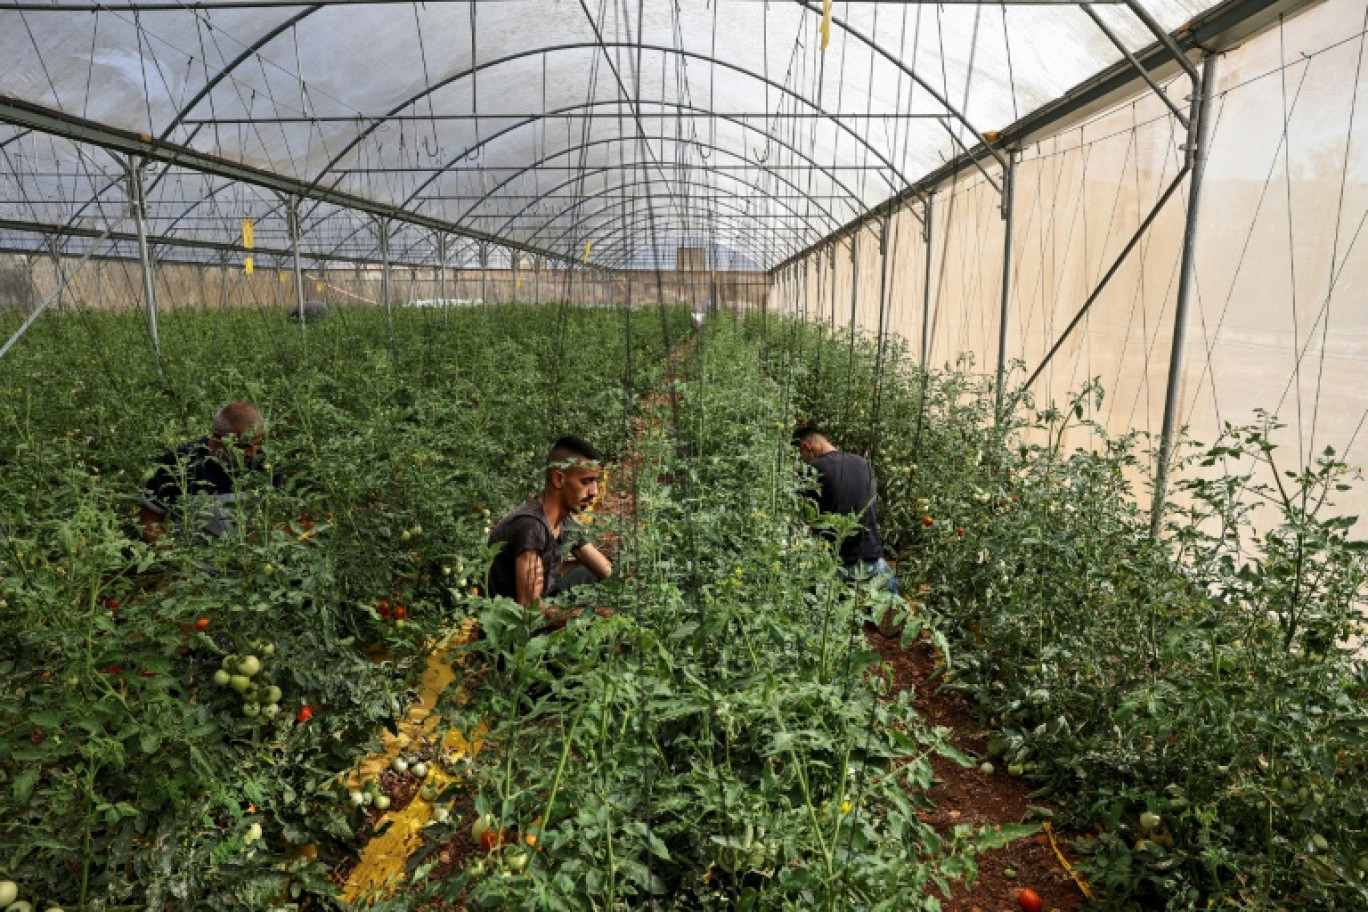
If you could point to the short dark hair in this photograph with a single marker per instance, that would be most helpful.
(805, 431)
(570, 447)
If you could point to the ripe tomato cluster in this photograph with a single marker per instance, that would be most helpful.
(391, 610)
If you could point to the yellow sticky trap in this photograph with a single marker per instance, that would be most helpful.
(518, 284)
(284, 276)
(380, 869)
(588, 246)
(248, 266)
(318, 286)
(248, 235)
(826, 23)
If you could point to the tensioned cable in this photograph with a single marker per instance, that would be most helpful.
(1334, 243)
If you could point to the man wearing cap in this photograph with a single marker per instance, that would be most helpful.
(537, 536)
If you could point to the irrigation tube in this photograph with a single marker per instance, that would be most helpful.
(66, 280)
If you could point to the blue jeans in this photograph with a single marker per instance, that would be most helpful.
(862, 570)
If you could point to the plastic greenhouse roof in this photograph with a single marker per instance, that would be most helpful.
(557, 126)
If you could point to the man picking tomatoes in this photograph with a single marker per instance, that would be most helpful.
(846, 485)
(537, 536)
(196, 483)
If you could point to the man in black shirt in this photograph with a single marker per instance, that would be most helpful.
(196, 483)
(847, 486)
(537, 536)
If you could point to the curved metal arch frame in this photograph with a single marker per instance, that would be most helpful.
(554, 243)
(597, 46)
(637, 164)
(624, 166)
(569, 150)
(445, 169)
(626, 139)
(733, 220)
(677, 106)
(621, 253)
(730, 221)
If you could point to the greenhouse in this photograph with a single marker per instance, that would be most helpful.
(696, 455)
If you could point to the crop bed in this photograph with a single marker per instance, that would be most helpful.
(735, 735)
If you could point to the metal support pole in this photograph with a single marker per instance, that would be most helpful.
(138, 199)
(536, 280)
(441, 279)
(879, 351)
(926, 286)
(832, 270)
(515, 262)
(1199, 132)
(1008, 192)
(295, 234)
(854, 283)
(484, 274)
(382, 224)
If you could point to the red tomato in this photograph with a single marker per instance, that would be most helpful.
(928, 521)
(111, 670)
(960, 531)
(304, 715)
(491, 840)
(399, 613)
(113, 603)
(201, 623)
(1029, 900)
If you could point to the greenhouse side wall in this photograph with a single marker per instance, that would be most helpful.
(1275, 321)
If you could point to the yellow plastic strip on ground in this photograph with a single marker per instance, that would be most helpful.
(1082, 884)
(381, 866)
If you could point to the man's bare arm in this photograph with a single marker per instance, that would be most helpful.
(593, 558)
(530, 577)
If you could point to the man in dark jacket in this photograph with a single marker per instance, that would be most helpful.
(847, 486)
(538, 535)
(197, 483)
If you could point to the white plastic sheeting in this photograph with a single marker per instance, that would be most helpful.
(549, 123)
(1278, 321)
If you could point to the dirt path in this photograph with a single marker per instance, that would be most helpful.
(968, 796)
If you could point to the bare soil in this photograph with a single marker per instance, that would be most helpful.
(968, 796)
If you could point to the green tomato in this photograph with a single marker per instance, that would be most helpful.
(253, 833)
(1016, 769)
(987, 768)
(482, 823)
(273, 694)
(253, 693)
(419, 770)
(382, 802)
(221, 678)
(356, 797)
(249, 665)
(9, 892)
(428, 792)
(240, 683)
(251, 710)
(229, 663)
(270, 710)
(399, 765)
(517, 861)
(1149, 821)
(440, 814)
(20, 906)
